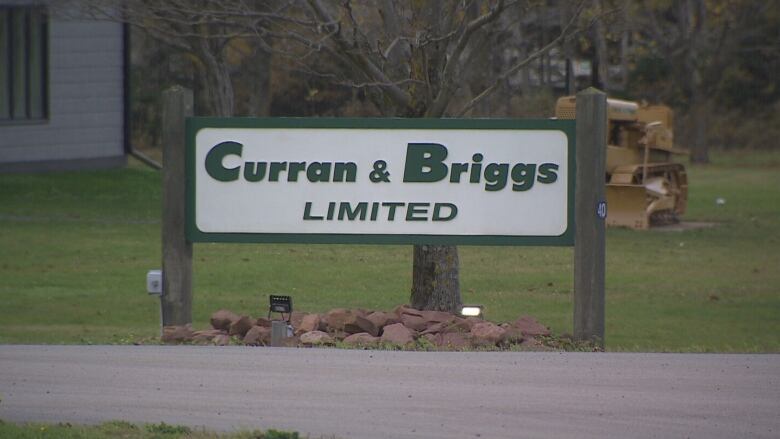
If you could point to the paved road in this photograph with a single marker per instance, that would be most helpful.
(380, 394)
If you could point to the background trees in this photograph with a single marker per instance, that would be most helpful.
(714, 61)
(695, 42)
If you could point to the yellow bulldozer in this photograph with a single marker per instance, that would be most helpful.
(644, 186)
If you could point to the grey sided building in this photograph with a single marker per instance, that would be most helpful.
(63, 89)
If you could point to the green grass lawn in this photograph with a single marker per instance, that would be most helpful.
(75, 249)
(126, 430)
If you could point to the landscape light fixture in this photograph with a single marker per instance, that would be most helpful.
(280, 304)
(471, 310)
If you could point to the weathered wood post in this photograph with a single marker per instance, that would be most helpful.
(589, 216)
(176, 250)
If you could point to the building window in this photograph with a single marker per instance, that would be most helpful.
(23, 64)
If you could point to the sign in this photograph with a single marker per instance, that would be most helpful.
(601, 209)
(581, 67)
(396, 181)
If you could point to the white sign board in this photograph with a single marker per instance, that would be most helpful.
(380, 180)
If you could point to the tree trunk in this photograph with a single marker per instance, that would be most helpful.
(602, 59)
(699, 115)
(435, 278)
(624, 53)
(219, 85)
(260, 99)
(221, 90)
(435, 268)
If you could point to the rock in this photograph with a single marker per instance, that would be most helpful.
(487, 333)
(532, 344)
(529, 326)
(381, 319)
(222, 319)
(356, 323)
(336, 318)
(316, 338)
(434, 329)
(471, 321)
(258, 335)
(221, 340)
(459, 324)
(454, 324)
(296, 318)
(361, 312)
(177, 334)
(310, 322)
(378, 318)
(338, 335)
(264, 322)
(406, 309)
(413, 322)
(436, 316)
(241, 326)
(361, 338)
(453, 340)
(512, 335)
(207, 335)
(397, 334)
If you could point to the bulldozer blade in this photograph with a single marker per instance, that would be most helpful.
(626, 206)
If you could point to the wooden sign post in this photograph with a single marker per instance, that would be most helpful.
(176, 249)
(590, 212)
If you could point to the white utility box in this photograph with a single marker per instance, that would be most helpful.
(154, 282)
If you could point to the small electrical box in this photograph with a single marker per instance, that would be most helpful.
(154, 282)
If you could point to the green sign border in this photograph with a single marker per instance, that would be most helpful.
(194, 124)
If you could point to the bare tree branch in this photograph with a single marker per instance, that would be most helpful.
(395, 92)
(565, 33)
(448, 87)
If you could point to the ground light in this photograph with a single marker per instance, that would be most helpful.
(471, 310)
(281, 304)
(280, 329)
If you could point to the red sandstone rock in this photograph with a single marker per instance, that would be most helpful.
(258, 335)
(436, 316)
(512, 335)
(264, 322)
(241, 326)
(397, 334)
(434, 329)
(310, 322)
(356, 323)
(413, 322)
(486, 333)
(381, 319)
(296, 318)
(458, 324)
(529, 326)
(406, 309)
(336, 318)
(207, 335)
(221, 340)
(316, 338)
(222, 319)
(533, 344)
